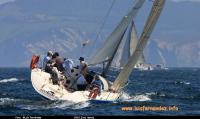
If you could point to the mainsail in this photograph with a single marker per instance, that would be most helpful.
(113, 41)
(122, 78)
(124, 53)
(130, 46)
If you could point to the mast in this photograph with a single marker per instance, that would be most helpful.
(122, 78)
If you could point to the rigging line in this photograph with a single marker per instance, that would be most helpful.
(104, 22)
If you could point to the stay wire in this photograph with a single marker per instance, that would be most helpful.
(103, 24)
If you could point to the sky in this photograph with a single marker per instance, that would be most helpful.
(32, 26)
(5, 1)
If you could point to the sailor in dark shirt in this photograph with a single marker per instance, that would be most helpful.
(58, 61)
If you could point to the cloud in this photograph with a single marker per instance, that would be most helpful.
(6, 1)
(185, 1)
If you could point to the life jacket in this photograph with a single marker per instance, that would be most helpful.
(94, 92)
(34, 61)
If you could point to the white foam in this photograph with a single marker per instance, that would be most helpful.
(4, 101)
(28, 107)
(140, 98)
(162, 95)
(183, 82)
(71, 105)
(58, 104)
(125, 97)
(9, 80)
(149, 94)
(187, 83)
(81, 105)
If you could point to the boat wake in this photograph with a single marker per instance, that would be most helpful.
(58, 104)
(10, 80)
(41, 105)
(8, 101)
(54, 105)
(139, 97)
(71, 105)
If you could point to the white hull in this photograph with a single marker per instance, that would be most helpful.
(160, 67)
(43, 85)
(144, 67)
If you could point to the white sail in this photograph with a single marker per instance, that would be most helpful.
(113, 41)
(130, 46)
(125, 53)
(122, 78)
(122, 52)
(133, 38)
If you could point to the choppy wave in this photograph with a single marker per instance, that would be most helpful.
(8, 101)
(187, 83)
(57, 104)
(10, 80)
(140, 97)
(71, 105)
(182, 82)
(178, 90)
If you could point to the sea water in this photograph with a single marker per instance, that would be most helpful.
(175, 91)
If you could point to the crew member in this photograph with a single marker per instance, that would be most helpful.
(95, 88)
(68, 66)
(58, 61)
(47, 58)
(83, 67)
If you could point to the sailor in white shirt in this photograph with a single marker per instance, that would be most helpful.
(68, 66)
(46, 59)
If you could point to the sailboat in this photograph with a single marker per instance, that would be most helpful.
(128, 49)
(111, 91)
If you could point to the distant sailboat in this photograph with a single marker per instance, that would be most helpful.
(128, 49)
(42, 83)
(123, 76)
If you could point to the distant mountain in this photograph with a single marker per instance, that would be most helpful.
(36, 26)
(30, 27)
(176, 34)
